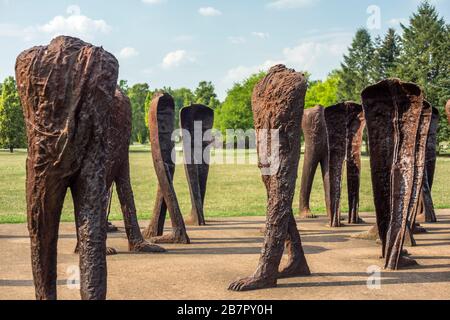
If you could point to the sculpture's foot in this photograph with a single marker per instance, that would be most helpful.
(358, 221)
(335, 225)
(149, 233)
(252, 283)
(145, 247)
(111, 228)
(172, 238)
(193, 221)
(405, 262)
(371, 234)
(418, 229)
(110, 251)
(295, 268)
(307, 214)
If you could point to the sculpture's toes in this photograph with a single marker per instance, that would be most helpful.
(168, 239)
(110, 251)
(405, 262)
(361, 221)
(252, 283)
(298, 268)
(307, 214)
(145, 247)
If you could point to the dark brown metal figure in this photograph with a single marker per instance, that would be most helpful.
(278, 102)
(345, 125)
(67, 91)
(197, 121)
(161, 123)
(316, 152)
(393, 111)
(426, 208)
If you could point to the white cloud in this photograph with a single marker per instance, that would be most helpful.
(284, 4)
(209, 12)
(75, 24)
(153, 1)
(237, 40)
(128, 52)
(176, 58)
(261, 35)
(317, 55)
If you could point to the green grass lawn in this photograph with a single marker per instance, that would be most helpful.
(233, 190)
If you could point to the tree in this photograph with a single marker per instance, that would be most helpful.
(12, 125)
(138, 95)
(357, 67)
(205, 94)
(425, 58)
(324, 93)
(386, 56)
(236, 110)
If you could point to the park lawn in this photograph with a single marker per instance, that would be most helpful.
(233, 190)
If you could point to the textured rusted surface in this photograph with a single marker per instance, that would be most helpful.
(345, 125)
(197, 121)
(419, 168)
(277, 103)
(67, 90)
(447, 111)
(426, 208)
(393, 111)
(161, 123)
(316, 152)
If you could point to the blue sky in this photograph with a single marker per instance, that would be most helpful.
(181, 42)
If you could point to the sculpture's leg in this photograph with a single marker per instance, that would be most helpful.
(203, 181)
(426, 211)
(156, 226)
(325, 167)
(136, 242)
(45, 201)
(353, 183)
(276, 234)
(336, 167)
(91, 198)
(297, 265)
(309, 169)
(193, 176)
(411, 125)
(179, 234)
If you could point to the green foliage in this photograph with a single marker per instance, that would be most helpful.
(12, 125)
(236, 110)
(138, 94)
(205, 94)
(357, 67)
(425, 59)
(324, 93)
(386, 56)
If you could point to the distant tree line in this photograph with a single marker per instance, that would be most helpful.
(420, 54)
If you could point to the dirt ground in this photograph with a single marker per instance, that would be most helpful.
(229, 248)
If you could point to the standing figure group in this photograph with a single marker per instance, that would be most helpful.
(79, 127)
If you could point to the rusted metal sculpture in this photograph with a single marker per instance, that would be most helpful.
(278, 102)
(447, 111)
(345, 125)
(316, 152)
(196, 121)
(426, 208)
(161, 123)
(396, 125)
(67, 91)
(118, 172)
